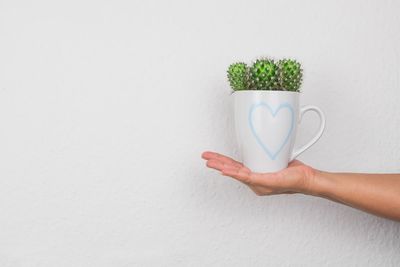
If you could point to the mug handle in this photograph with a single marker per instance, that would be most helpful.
(321, 115)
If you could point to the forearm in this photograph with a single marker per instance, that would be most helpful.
(375, 193)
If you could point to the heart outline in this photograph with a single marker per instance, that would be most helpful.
(271, 155)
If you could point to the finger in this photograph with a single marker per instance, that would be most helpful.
(269, 180)
(208, 155)
(213, 155)
(243, 169)
(238, 174)
(218, 165)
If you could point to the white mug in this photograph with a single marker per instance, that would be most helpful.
(266, 124)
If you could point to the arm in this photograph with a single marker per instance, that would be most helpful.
(374, 193)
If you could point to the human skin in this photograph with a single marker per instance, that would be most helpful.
(378, 194)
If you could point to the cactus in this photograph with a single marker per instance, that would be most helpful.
(290, 75)
(264, 75)
(237, 76)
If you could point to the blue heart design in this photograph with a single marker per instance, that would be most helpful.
(271, 154)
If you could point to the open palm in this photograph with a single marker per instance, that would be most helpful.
(296, 178)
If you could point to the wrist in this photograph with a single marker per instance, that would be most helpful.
(323, 184)
(307, 183)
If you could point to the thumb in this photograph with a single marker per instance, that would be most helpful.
(295, 163)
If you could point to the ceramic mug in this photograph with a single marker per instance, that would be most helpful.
(266, 124)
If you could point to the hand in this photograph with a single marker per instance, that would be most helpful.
(296, 178)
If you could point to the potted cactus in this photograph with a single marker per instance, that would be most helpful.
(266, 107)
(265, 74)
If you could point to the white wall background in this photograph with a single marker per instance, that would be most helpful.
(106, 106)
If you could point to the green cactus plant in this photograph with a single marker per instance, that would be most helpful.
(264, 75)
(237, 76)
(290, 75)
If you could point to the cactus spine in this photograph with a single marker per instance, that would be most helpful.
(290, 75)
(263, 75)
(237, 76)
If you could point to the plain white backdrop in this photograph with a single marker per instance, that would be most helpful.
(106, 106)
